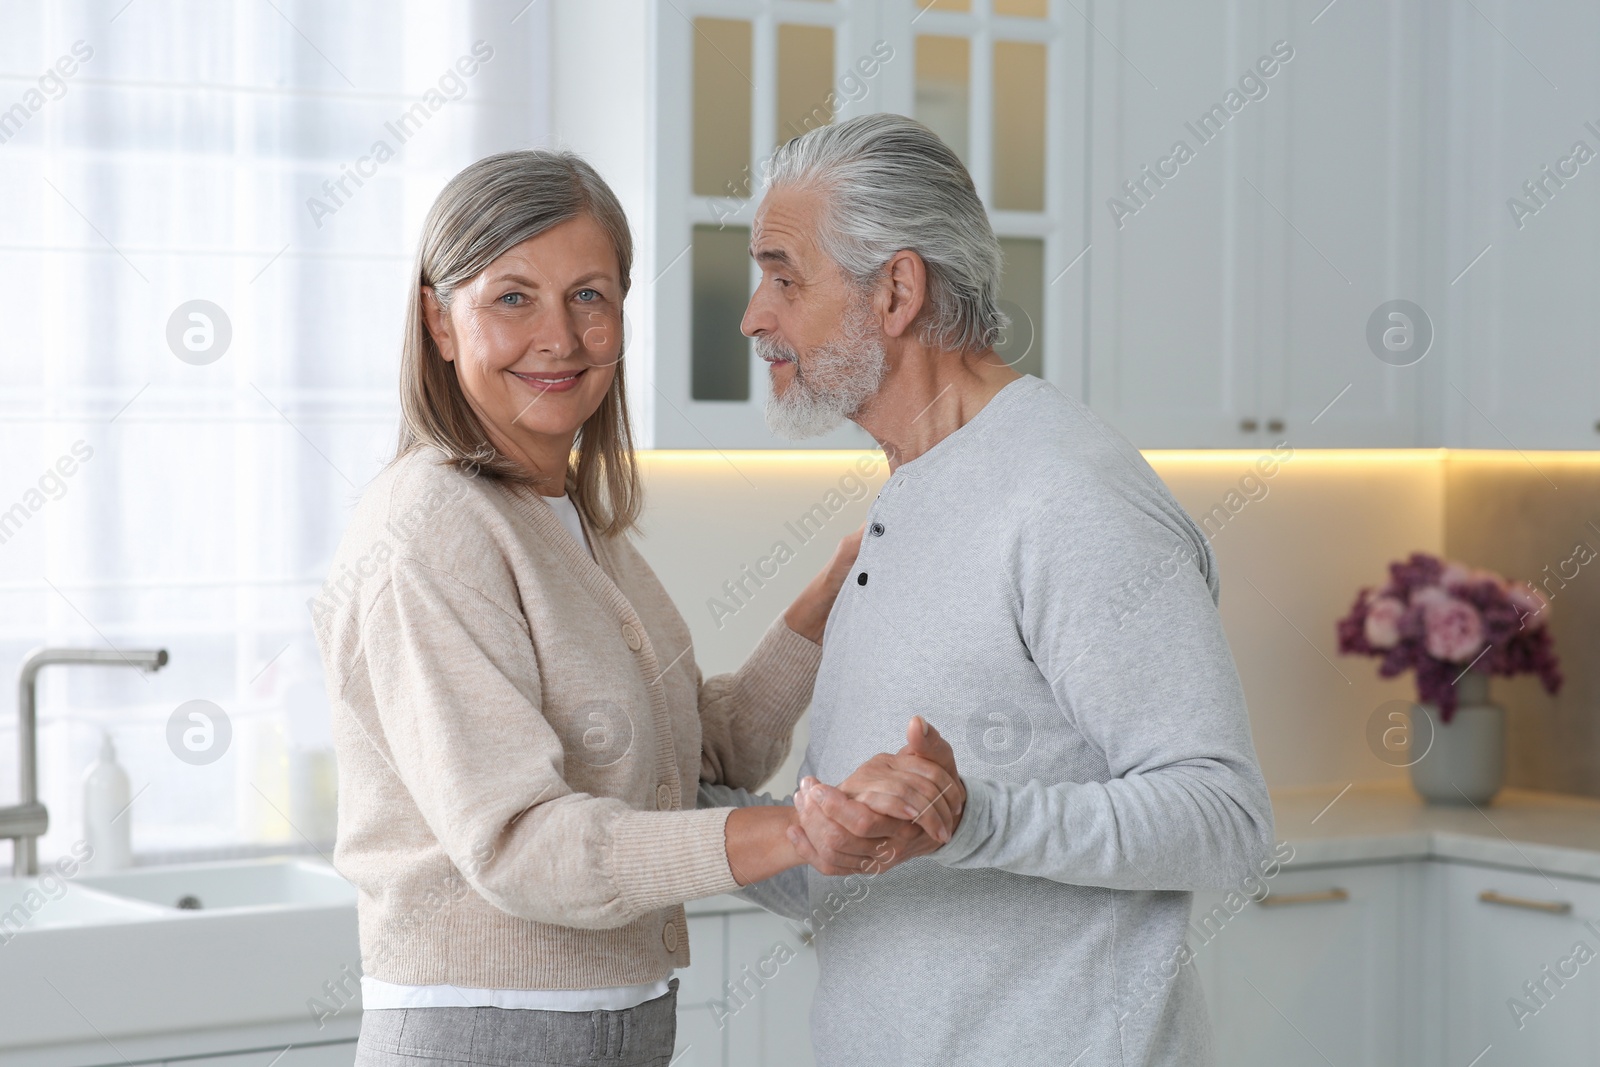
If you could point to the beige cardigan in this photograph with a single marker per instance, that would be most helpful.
(520, 730)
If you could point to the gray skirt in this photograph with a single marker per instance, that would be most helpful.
(515, 1037)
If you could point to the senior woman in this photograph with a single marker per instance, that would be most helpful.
(519, 721)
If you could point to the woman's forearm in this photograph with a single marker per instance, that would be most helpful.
(758, 844)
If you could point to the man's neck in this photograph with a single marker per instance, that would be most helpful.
(929, 394)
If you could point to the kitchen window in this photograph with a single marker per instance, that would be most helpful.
(208, 230)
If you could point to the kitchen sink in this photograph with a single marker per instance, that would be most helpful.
(157, 963)
(210, 886)
(30, 904)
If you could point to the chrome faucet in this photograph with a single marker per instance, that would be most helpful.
(25, 822)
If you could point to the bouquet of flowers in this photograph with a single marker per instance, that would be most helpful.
(1443, 618)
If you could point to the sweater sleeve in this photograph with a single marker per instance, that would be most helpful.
(455, 682)
(1116, 601)
(747, 718)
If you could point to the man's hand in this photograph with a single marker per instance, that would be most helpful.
(840, 836)
(918, 783)
(923, 741)
(891, 809)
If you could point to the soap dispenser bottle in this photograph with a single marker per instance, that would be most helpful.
(105, 798)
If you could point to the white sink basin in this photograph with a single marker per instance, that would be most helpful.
(108, 968)
(249, 884)
(33, 904)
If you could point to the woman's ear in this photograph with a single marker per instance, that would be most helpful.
(906, 291)
(437, 321)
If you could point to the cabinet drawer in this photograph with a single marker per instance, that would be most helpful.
(1522, 967)
(1313, 975)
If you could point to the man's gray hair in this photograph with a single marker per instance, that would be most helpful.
(889, 184)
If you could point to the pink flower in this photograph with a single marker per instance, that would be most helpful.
(1430, 595)
(1382, 626)
(1454, 629)
(1530, 604)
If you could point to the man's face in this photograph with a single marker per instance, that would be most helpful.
(816, 329)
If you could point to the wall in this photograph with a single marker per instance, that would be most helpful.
(1291, 558)
(1537, 516)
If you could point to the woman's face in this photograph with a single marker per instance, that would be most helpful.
(535, 339)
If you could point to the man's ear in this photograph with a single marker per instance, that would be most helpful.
(904, 292)
(437, 321)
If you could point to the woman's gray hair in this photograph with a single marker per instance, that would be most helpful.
(891, 184)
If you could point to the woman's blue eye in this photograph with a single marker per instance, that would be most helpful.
(509, 302)
(591, 298)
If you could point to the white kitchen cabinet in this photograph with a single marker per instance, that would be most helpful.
(1343, 182)
(1515, 981)
(765, 956)
(1175, 273)
(700, 983)
(700, 1040)
(1220, 301)
(1312, 975)
(1230, 298)
(745, 1001)
(1520, 324)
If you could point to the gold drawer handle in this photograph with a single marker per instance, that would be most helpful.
(1554, 907)
(1324, 896)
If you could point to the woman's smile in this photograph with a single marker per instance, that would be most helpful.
(551, 382)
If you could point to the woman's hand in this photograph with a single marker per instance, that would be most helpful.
(808, 615)
(893, 808)
(839, 835)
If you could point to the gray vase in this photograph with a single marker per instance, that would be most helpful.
(1463, 761)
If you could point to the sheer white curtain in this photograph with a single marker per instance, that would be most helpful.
(272, 159)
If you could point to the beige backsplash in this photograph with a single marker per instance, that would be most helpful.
(1539, 518)
(1293, 550)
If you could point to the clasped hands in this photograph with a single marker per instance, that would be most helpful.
(891, 809)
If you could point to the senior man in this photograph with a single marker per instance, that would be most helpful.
(1027, 585)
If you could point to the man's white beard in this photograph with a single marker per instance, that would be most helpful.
(839, 377)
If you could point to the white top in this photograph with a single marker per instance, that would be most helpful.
(376, 995)
(567, 512)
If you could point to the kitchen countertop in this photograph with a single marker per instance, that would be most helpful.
(1385, 821)
(1553, 833)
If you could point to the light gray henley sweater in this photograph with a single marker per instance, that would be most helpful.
(1030, 586)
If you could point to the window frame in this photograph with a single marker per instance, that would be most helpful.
(664, 273)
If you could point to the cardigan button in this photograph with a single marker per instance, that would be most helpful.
(664, 797)
(669, 936)
(630, 634)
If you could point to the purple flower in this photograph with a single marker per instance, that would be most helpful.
(1530, 604)
(1433, 616)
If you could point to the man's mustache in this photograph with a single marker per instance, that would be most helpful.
(771, 350)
